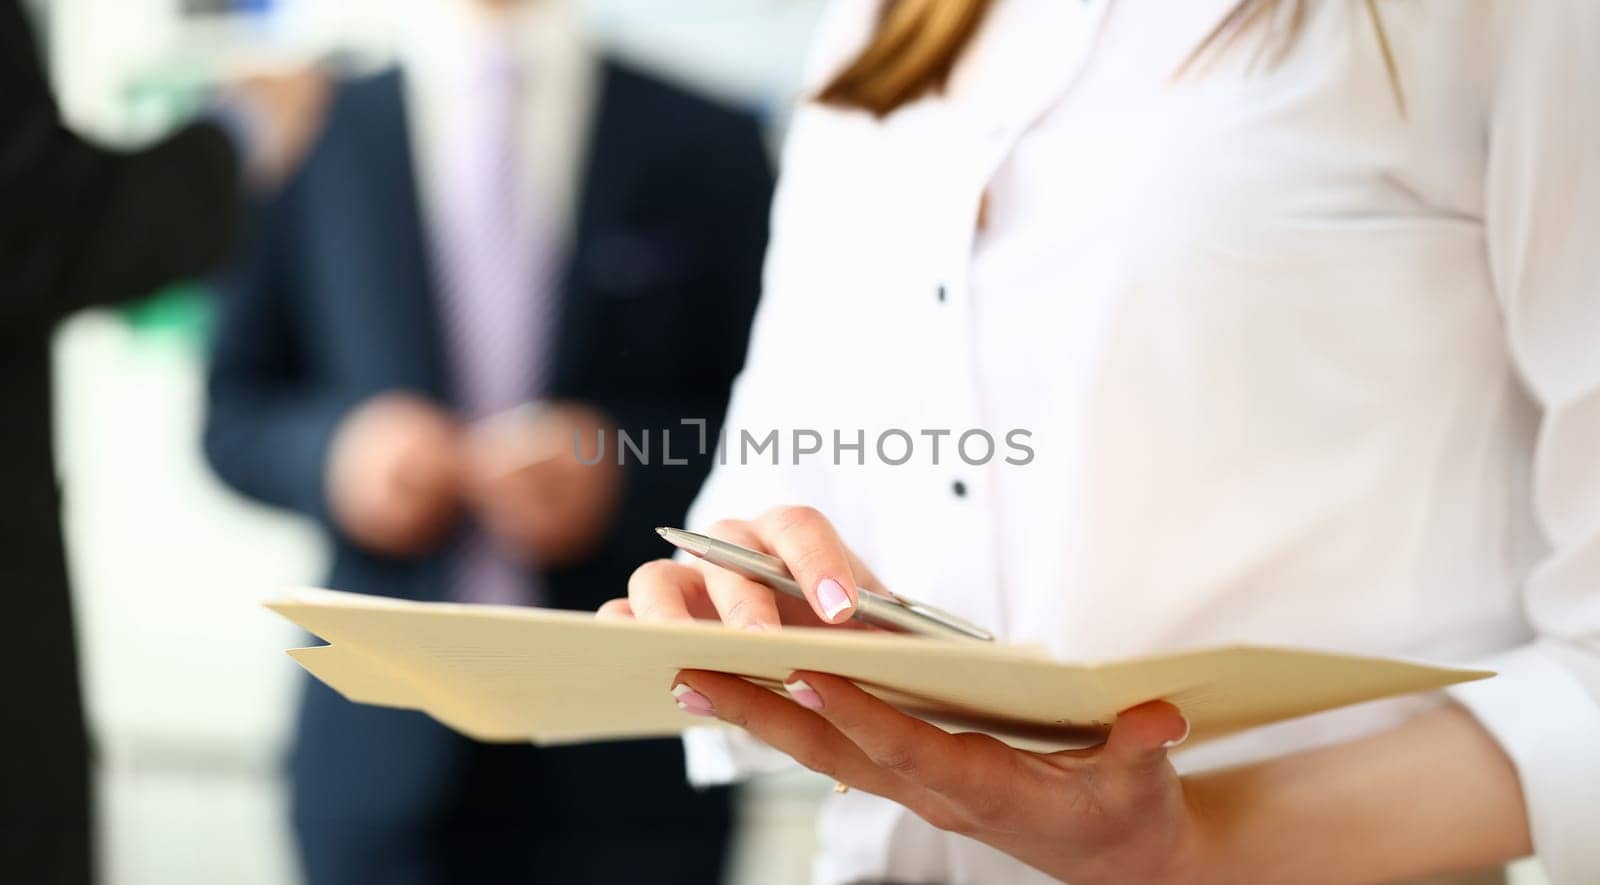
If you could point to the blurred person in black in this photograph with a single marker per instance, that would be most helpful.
(83, 226)
(508, 240)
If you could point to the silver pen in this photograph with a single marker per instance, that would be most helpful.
(878, 609)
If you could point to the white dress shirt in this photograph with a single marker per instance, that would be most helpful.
(440, 48)
(1299, 367)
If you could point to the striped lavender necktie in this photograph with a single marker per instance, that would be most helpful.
(494, 291)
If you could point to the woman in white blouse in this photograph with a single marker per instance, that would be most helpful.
(1297, 307)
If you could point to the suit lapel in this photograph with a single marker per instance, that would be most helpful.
(404, 274)
(593, 206)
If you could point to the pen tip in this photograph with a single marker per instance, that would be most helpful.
(686, 541)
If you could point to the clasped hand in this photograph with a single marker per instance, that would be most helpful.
(402, 471)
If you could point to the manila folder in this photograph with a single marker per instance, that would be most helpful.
(501, 673)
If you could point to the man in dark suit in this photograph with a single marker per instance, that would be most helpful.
(82, 226)
(508, 219)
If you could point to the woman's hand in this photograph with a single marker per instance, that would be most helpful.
(829, 573)
(1114, 813)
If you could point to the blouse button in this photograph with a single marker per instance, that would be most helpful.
(959, 488)
(941, 294)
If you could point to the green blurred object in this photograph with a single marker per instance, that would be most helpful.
(160, 96)
(155, 99)
(180, 314)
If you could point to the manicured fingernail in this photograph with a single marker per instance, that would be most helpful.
(803, 694)
(1179, 739)
(831, 595)
(755, 626)
(691, 701)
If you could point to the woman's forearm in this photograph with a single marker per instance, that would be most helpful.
(1433, 795)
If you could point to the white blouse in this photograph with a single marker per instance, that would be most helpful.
(1296, 365)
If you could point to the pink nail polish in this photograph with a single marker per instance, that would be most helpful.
(831, 595)
(1179, 739)
(803, 694)
(691, 701)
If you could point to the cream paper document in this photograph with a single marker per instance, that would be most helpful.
(500, 673)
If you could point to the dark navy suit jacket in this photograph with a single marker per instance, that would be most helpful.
(333, 301)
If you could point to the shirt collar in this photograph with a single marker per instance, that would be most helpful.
(446, 41)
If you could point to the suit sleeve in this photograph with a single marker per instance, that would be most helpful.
(80, 225)
(1542, 214)
(270, 419)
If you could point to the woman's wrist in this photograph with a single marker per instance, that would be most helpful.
(1197, 855)
(1432, 795)
(1205, 853)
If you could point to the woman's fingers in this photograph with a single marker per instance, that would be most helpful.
(664, 590)
(809, 546)
(826, 571)
(966, 783)
(800, 733)
(742, 603)
(1141, 736)
(909, 747)
(614, 610)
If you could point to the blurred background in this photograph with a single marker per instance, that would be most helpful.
(189, 694)
(188, 691)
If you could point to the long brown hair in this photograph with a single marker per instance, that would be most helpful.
(918, 43)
